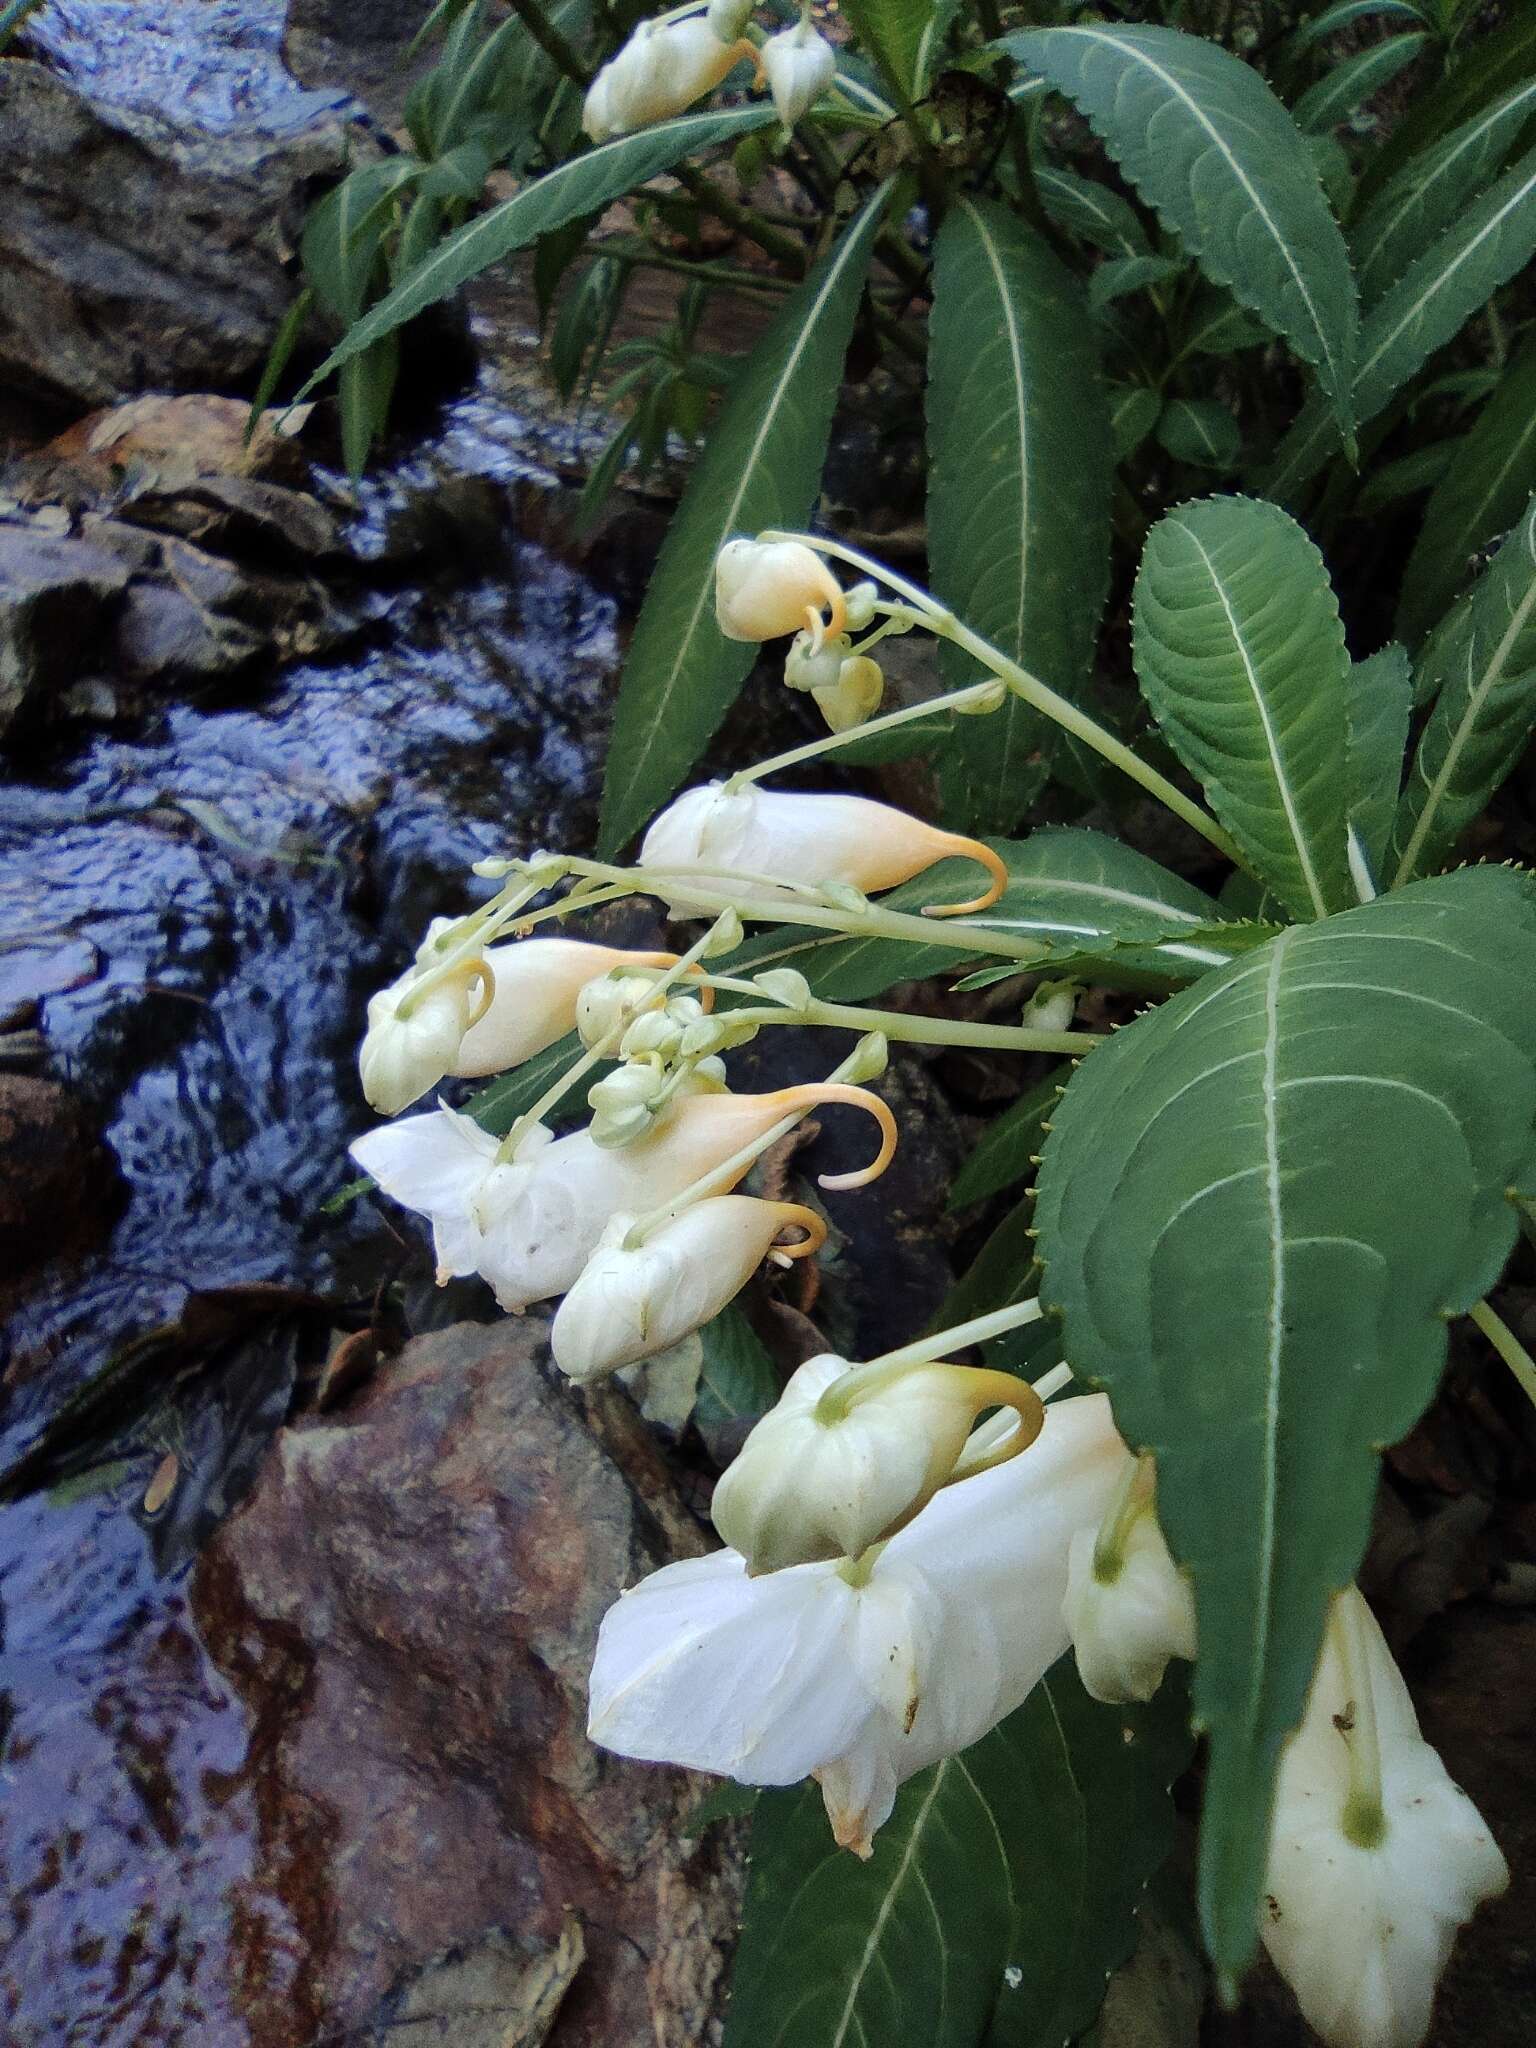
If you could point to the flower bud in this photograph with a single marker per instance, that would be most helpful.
(632, 1302)
(729, 18)
(765, 589)
(1052, 1006)
(623, 1104)
(855, 697)
(1361, 1920)
(800, 66)
(403, 1056)
(660, 71)
(861, 601)
(655, 1034)
(822, 1478)
(808, 667)
(784, 985)
(1128, 1607)
(822, 841)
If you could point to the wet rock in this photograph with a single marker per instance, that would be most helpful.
(168, 443)
(408, 1601)
(58, 1186)
(138, 247)
(358, 45)
(242, 515)
(57, 598)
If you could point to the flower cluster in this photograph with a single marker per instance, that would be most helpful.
(911, 1543)
(673, 60)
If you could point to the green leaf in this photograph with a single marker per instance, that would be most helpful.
(1021, 468)
(760, 468)
(1003, 1888)
(343, 234)
(1240, 653)
(1409, 476)
(1122, 275)
(584, 185)
(1498, 61)
(1485, 672)
(1133, 413)
(498, 1105)
(1075, 892)
(1428, 193)
(1258, 1206)
(363, 391)
(1377, 709)
(892, 32)
(1491, 474)
(738, 1382)
(1332, 19)
(1205, 141)
(1003, 1155)
(284, 342)
(1200, 431)
(1486, 245)
(1218, 327)
(1335, 97)
(1091, 211)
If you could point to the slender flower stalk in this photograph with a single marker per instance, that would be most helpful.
(1045, 700)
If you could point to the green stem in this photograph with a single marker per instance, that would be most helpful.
(1508, 1346)
(978, 1330)
(870, 923)
(946, 626)
(644, 257)
(930, 707)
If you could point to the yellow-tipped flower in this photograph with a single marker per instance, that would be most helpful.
(828, 1474)
(717, 832)
(538, 983)
(659, 72)
(631, 1303)
(765, 589)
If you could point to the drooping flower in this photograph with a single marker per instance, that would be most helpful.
(1376, 1858)
(1129, 1607)
(537, 985)
(823, 1477)
(529, 1225)
(800, 66)
(629, 1304)
(765, 589)
(861, 1680)
(660, 71)
(403, 1055)
(715, 831)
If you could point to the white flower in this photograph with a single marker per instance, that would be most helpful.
(1127, 1623)
(402, 1057)
(773, 1679)
(715, 831)
(800, 66)
(821, 1479)
(765, 589)
(728, 18)
(631, 1304)
(1361, 1929)
(538, 985)
(660, 71)
(529, 1226)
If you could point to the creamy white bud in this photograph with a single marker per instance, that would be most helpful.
(654, 1034)
(812, 1482)
(765, 589)
(660, 71)
(1129, 1615)
(629, 1304)
(624, 1103)
(1362, 1931)
(715, 832)
(1052, 1007)
(809, 667)
(729, 18)
(401, 1057)
(800, 66)
(855, 697)
(862, 599)
(784, 985)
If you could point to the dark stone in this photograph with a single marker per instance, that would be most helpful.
(58, 1185)
(359, 46)
(139, 250)
(57, 597)
(408, 1603)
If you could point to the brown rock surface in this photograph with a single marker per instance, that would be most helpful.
(408, 1604)
(57, 1188)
